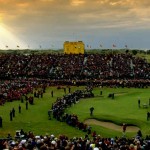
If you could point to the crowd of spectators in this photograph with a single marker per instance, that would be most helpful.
(20, 73)
(74, 67)
(29, 141)
(16, 89)
(58, 108)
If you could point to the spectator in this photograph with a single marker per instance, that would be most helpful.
(11, 115)
(91, 111)
(19, 109)
(1, 122)
(13, 112)
(26, 105)
(139, 101)
(52, 93)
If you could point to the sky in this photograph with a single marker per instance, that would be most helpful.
(100, 24)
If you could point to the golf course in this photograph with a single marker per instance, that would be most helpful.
(108, 116)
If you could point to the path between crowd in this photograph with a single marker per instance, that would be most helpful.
(110, 125)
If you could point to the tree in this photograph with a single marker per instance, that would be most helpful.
(127, 51)
(134, 52)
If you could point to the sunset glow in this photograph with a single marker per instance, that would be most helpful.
(51, 22)
(8, 39)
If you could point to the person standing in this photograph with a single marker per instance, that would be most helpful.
(26, 105)
(139, 103)
(69, 89)
(124, 127)
(21, 99)
(13, 112)
(64, 90)
(101, 92)
(10, 115)
(113, 95)
(1, 122)
(19, 109)
(52, 93)
(91, 111)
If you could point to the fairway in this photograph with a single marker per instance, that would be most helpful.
(122, 109)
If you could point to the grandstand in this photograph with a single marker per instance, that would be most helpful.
(118, 69)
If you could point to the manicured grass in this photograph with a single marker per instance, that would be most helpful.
(123, 108)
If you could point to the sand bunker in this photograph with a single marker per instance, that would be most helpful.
(111, 125)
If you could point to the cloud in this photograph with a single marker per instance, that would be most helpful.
(47, 19)
(74, 12)
(77, 2)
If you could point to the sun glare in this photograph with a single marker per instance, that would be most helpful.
(1, 29)
(8, 40)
